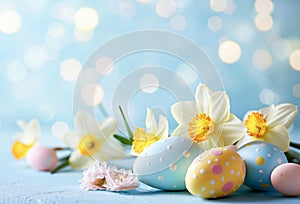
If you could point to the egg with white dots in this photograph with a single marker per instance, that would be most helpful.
(215, 173)
(261, 158)
(163, 164)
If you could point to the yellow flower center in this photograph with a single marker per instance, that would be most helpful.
(19, 149)
(142, 139)
(88, 145)
(200, 127)
(256, 125)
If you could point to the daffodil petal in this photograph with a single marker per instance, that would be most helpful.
(150, 122)
(163, 127)
(85, 123)
(110, 150)
(203, 98)
(244, 140)
(220, 108)
(31, 132)
(282, 114)
(279, 136)
(78, 161)
(184, 111)
(267, 110)
(214, 140)
(71, 139)
(107, 127)
(181, 131)
(232, 130)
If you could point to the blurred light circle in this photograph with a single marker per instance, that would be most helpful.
(64, 12)
(165, 8)
(149, 83)
(104, 65)
(89, 75)
(16, 71)
(267, 97)
(34, 57)
(230, 8)
(263, 21)
(178, 22)
(86, 19)
(295, 60)
(46, 112)
(127, 9)
(215, 23)
(56, 30)
(262, 59)
(218, 5)
(264, 6)
(70, 69)
(83, 36)
(296, 90)
(92, 94)
(145, 1)
(180, 3)
(10, 21)
(59, 128)
(229, 52)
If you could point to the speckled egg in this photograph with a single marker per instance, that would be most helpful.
(215, 173)
(163, 164)
(286, 179)
(260, 160)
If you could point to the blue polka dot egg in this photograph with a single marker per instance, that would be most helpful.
(261, 158)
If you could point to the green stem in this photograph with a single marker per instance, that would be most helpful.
(61, 148)
(293, 156)
(126, 124)
(296, 145)
(123, 140)
(60, 166)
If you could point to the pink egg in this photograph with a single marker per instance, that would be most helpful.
(41, 158)
(286, 179)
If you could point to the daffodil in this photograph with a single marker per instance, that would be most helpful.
(92, 141)
(207, 120)
(271, 125)
(153, 133)
(26, 139)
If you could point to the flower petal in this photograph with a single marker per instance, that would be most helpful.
(244, 140)
(214, 140)
(31, 132)
(220, 109)
(85, 123)
(78, 161)
(279, 136)
(267, 110)
(110, 150)
(107, 127)
(203, 98)
(71, 139)
(163, 127)
(150, 122)
(282, 114)
(184, 111)
(180, 131)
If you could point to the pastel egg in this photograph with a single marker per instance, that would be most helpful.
(163, 164)
(41, 158)
(215, 173)
(261, 158)
(286, 179)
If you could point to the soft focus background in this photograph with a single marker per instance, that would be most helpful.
(44, 44)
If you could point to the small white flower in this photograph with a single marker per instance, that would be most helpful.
(92, 141)
(207, 120)
(153, 133)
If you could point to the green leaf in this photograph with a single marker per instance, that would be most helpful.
(126, 124)
(123, 140)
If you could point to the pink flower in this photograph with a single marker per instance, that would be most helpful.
(102, 177)
(120, 180)
(94, 177)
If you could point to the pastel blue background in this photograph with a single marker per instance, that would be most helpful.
(30, 59)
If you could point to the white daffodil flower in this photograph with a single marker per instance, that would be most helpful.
(92, 141)
(207, 120)
(271, 125)
(153, 133)
(26, 139)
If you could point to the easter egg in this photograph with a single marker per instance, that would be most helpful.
(261, 158)
(215, 173)
(286, 179)
(163, 164)
(41, 158)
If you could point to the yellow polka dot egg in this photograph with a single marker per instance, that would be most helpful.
(215, 173)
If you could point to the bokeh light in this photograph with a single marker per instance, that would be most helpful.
(127, 9)
(59, 128)
(215, 23)
(264, 6)
(104, 65)
(165, 8)
(83, 36)
(10, 21)
(149, 83)
(86, 19)
(178, 22)
(295, 60)
(70, 69)
(229, 52)
(92, 94)
(46, 112)
(16, 71)
(296, 90)
(263, 21)
(34, 57)
(262, 59)
(56, 29)
(218, 5)
(267, 97)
